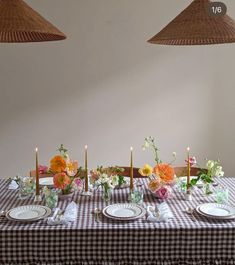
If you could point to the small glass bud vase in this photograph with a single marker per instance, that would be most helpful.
(106, 194)
(136, 196)
(51, 197)
(26, 187)
(207, 188)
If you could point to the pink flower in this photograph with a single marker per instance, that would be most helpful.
(94, 176)
(42, 169)
(78, 182)
(164, 192)
(192, 161)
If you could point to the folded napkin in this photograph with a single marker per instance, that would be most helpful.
(60, 218)
(163, 213)
(13, 185)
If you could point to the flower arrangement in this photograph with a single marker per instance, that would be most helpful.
(213, 169)
(162, 175)
(107, 178)
(66, 173)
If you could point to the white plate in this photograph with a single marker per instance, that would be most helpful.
(199, 183)
(46, 182)
(216, 211)
(28, 213)
(124, 211)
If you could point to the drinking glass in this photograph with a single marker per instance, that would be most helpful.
(222, 195)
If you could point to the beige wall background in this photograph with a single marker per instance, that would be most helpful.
(105, 86)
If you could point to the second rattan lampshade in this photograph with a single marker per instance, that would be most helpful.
(20, 23)
(194, 26)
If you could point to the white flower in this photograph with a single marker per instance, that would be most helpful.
(114, 180)
(210, 164)
(174, 154)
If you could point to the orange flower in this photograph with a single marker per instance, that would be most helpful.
(61, 181)
(58, 164)
(165, 172)
(154, 184)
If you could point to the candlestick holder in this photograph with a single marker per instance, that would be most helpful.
(38, 198)
(86, 193)
(188, 196)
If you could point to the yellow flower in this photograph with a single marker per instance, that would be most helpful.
(146, 171)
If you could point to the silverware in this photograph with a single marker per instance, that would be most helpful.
(3, 213)
(190, 211)
(155, 211)
(97, 213)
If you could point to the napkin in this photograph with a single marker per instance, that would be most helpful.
(13, 185)
(163, 215)
(69, 215)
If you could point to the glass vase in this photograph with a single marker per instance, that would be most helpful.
(207, 189)
(51, 199)
(106, 193)
(26, 187)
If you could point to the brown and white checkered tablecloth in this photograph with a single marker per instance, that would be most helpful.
(85, 242)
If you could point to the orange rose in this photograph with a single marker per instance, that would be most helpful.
(58, 164)
(154, 184)
(61, 181)
(165, 172)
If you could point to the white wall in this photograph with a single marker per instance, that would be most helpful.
(105, 86)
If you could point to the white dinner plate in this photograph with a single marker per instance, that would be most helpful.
(46, 182)
(28, 213)
(215, 210)
(199, 183)
(124, 211)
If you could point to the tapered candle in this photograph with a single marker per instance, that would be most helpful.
(131, 171)
(189, 172)
(37, 174)
(86, 170)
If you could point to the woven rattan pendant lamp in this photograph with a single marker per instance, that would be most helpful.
(20, 23)
(194, 26)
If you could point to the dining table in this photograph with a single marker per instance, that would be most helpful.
(181, 240)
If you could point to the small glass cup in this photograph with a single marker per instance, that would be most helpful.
(222, 195)
(136, 196)
(26, 187)
(51, 197)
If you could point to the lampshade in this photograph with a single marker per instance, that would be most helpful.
(194, 26)
(20, 23)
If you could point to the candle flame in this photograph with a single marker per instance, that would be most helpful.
(131, 148)
(85, 146)
(36, 149)
(188, 149)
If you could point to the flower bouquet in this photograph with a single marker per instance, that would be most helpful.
(106, 178)
(213, 169)
(161, 176)
(67, 176)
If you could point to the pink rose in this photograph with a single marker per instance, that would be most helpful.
(42, 169)
(164, 192)
(192, 161)
(78, 183)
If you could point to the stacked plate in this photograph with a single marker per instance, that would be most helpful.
(124, 211)
(28, 213)
(46, 182)
(216, 211)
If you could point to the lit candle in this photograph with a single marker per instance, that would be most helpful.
(86, 170)
(37, 174)
(189, 173)
(131, 172)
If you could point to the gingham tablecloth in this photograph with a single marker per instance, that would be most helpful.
(85, 242)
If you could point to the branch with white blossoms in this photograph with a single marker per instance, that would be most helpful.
(149, 143)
